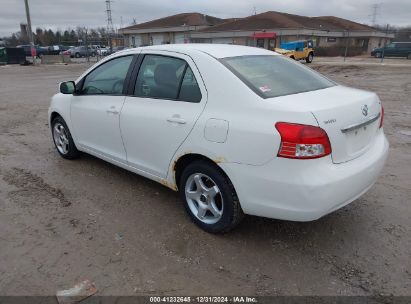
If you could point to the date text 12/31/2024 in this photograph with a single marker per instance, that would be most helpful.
(202, 299)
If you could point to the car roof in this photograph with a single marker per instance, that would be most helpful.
(214, 50)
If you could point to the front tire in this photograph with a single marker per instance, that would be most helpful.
(378, 55)
(209, 197)
(309, 58)
(77, 55)
(63, 140)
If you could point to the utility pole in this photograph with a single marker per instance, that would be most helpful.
(121, 26)
(110, 28)
(385, 44)
(347, 41)
(29, 31)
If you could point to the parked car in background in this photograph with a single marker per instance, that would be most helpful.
(100, 50)
(68, 52)
(394, 49)
(274, 139)
(82, 51)
(40, 51)
(116, 49)
(57, 49)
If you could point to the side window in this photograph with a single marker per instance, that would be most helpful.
(108, 78)
(189, 88)
(159, 77)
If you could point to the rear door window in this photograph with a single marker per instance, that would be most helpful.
(164, 77)
(189, 90)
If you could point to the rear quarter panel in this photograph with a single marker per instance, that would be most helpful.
(252, 138)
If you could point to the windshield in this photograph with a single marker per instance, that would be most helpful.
(273, 75)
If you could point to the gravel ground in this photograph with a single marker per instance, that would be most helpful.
(65, 221)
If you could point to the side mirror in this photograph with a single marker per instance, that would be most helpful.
(67, 87)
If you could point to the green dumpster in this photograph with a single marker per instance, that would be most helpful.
(3, 55)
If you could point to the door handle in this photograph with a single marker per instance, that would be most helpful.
(177, 120)
(112, 110)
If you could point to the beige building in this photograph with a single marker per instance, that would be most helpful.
(267, 30)
(270, 29)
(172, 29)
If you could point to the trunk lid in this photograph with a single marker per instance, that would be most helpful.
(351, 117)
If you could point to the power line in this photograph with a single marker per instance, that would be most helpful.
(110, 28)
(254, 10)
(375, 12)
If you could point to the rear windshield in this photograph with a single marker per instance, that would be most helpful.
(273, 75)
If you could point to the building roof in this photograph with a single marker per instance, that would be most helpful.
(188, 19)
(344, 23)
(275, 20)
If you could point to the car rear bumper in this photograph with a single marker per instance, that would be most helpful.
(305, 190)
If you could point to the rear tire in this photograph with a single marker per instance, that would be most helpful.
(77, 55)
(409, 56)
(209, 197)
(309, 58)
(62, 139)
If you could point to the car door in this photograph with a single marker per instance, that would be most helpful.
(168, 97)
(390, 50)
(96, 107)
(300, 50)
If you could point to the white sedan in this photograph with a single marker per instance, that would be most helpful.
(236, 130)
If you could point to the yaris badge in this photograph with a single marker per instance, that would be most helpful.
(364, 110)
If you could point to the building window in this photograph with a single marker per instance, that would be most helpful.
(260, 43)
(360, 42)
(271, 44)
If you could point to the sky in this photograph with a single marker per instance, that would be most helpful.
(59, 14)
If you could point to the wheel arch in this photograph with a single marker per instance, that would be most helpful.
(53, 115)
(56, 113)
(184, 160)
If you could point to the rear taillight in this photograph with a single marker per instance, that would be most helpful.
(382, 116)
(302, 141)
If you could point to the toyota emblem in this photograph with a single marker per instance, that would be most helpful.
(364, 110)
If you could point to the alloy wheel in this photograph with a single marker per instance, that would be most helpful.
(61, 138)
(204, 198)
(310, 57)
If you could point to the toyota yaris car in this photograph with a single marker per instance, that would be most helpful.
(236, 130)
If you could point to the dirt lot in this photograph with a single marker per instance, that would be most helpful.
(65, 221)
